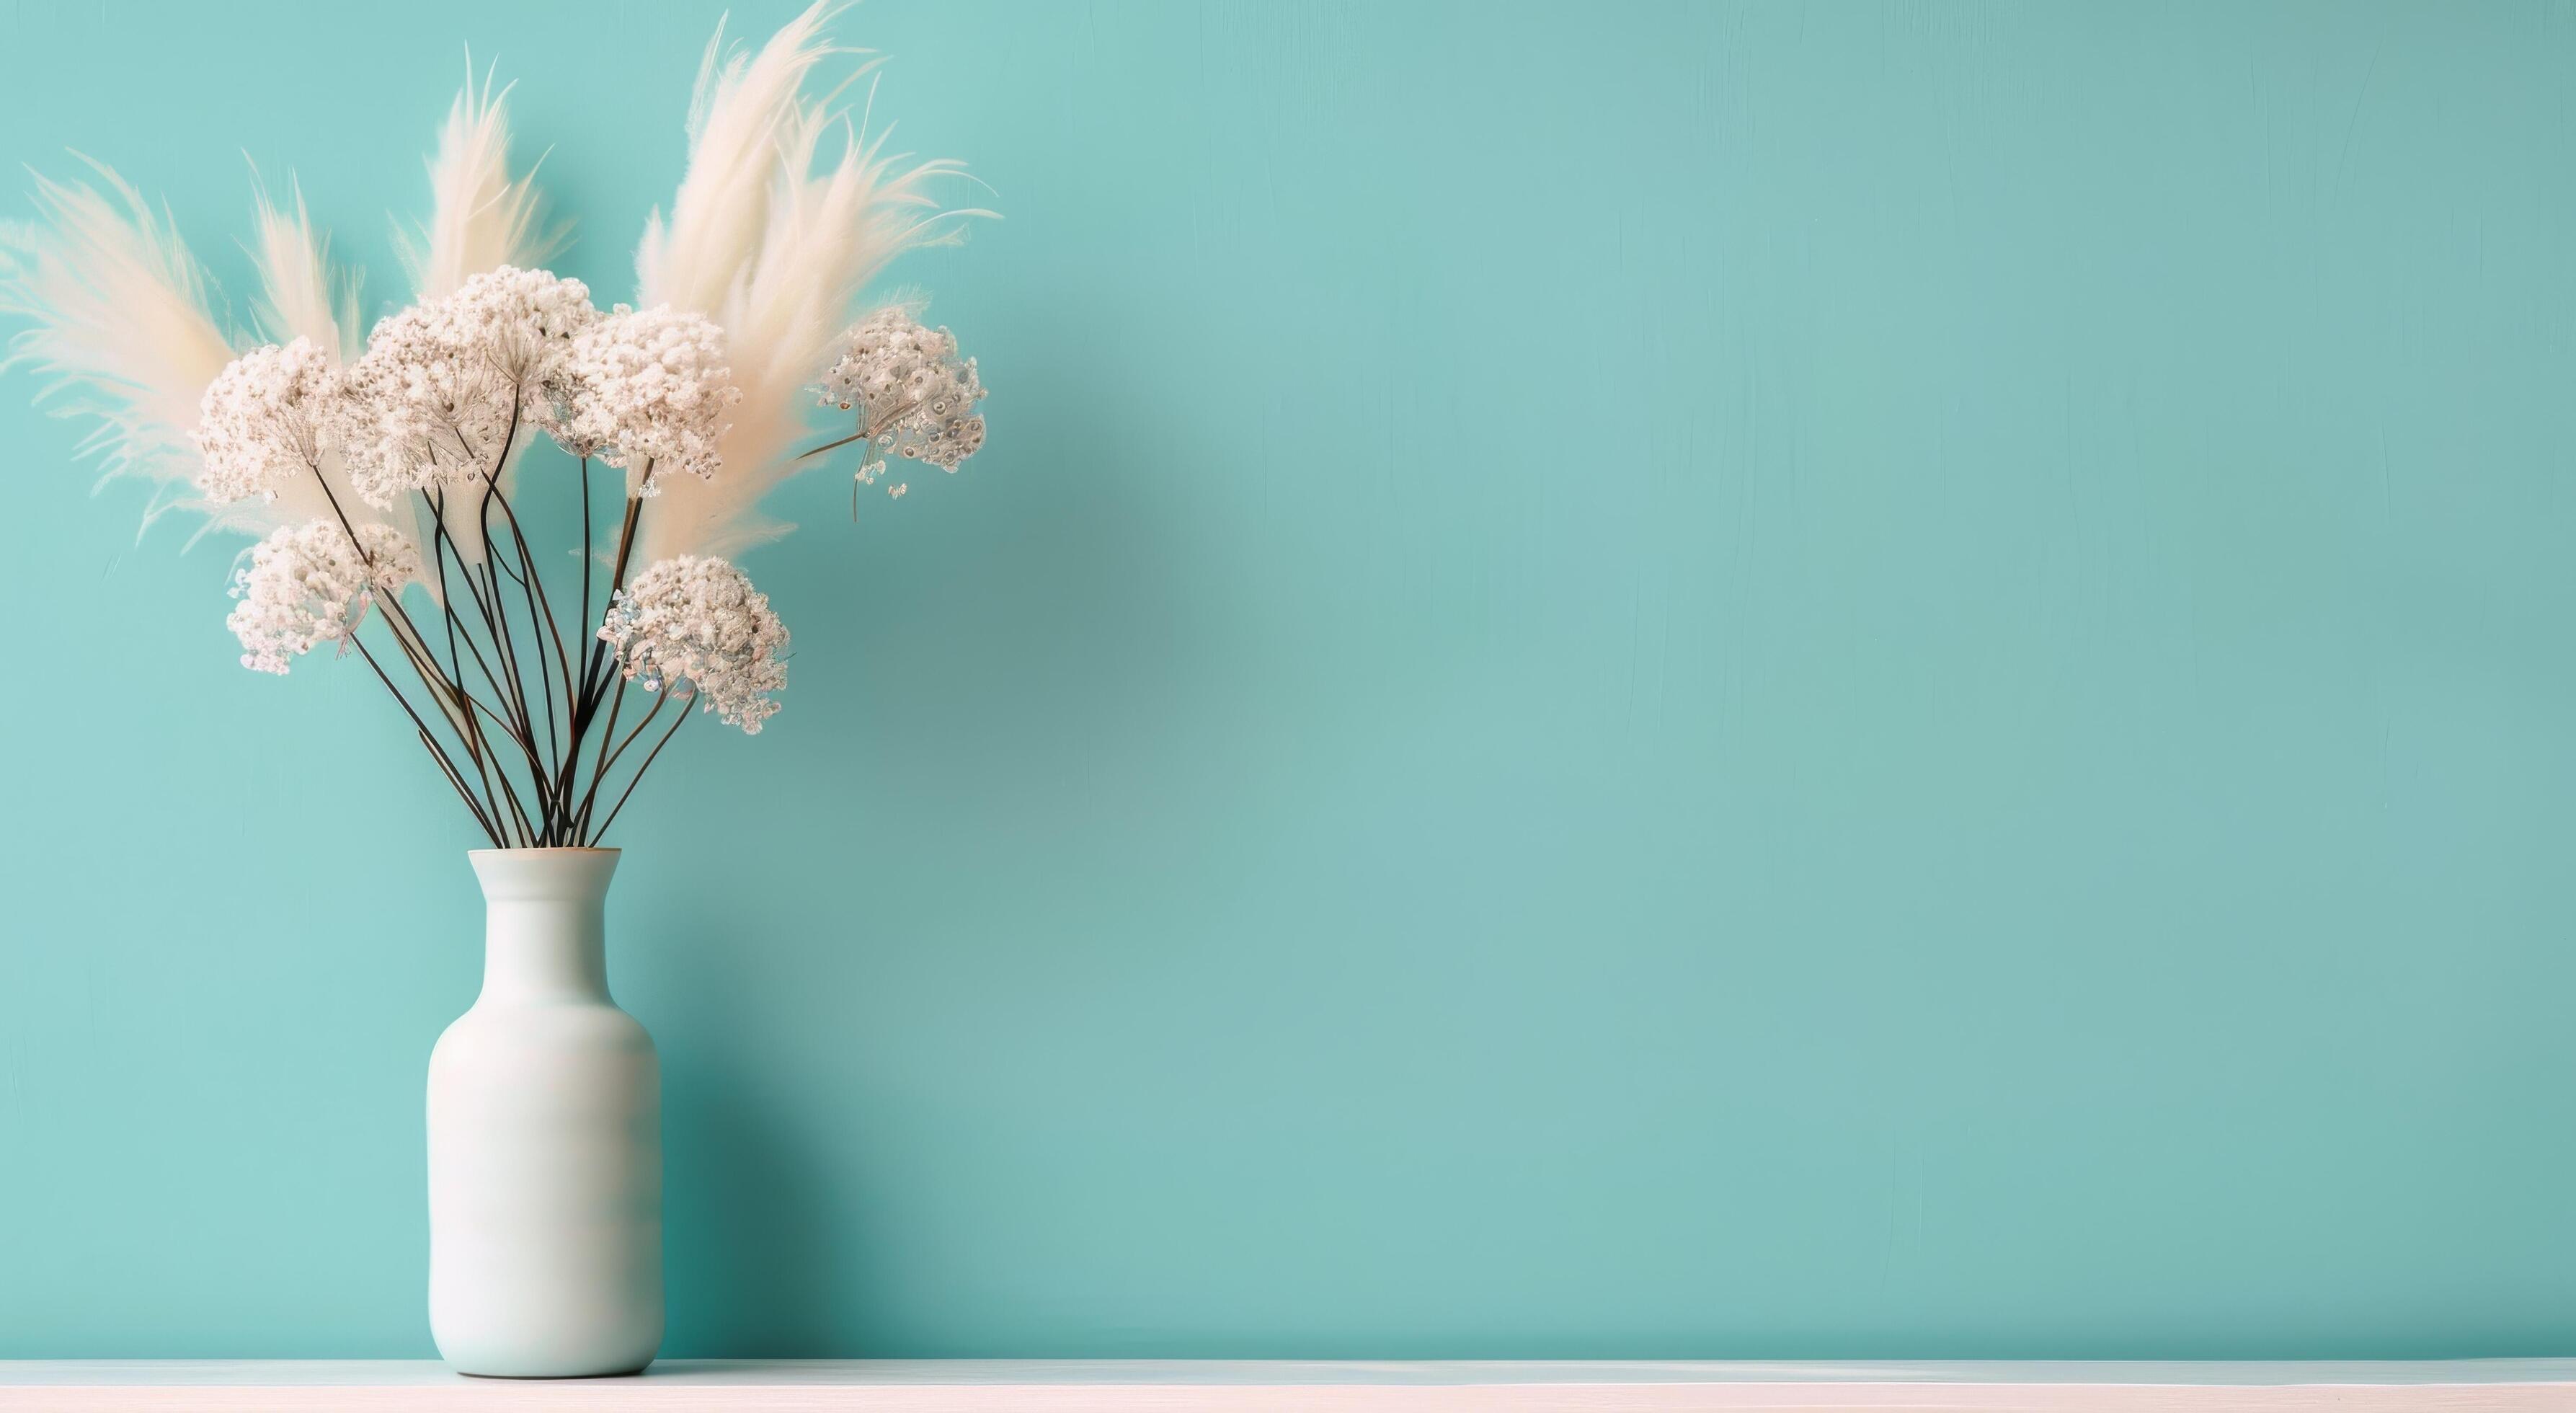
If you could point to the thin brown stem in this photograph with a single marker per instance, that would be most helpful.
(616, 581)
(615, 810)
(868, 432)
(510, 728)
(608, 761)
(405, 634)
(423, 728)
(833, 446)
(448, 769)
(529, 718)
(599, 768)
(585, 625)
(530, 581)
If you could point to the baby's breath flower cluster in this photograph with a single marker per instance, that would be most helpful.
(696, 627)
(309, 584)
(650, 392)
(261, 423)
(443, 391)
(915, 397)
(446, 384)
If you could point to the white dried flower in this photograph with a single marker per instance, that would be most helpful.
(445, 384)
(650, 393)
(695, 626)
(262, 423)
(308, 584)
(914, 395)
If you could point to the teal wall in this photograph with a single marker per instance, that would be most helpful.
(1695, 679)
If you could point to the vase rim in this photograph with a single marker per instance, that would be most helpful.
(524, 853)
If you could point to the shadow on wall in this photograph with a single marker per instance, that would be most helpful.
(1049, 655)
(755, 1264)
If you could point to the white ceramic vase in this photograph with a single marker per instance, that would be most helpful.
(545, 1141)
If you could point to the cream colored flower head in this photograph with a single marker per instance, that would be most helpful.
(447, 386)
(649, 392)
(264, 421)
(914, 395)
(309, 584)
(695, 627)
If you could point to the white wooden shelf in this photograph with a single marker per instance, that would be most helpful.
(920, 1386)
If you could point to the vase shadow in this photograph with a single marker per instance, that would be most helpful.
(755, 1263)
(1096, 629)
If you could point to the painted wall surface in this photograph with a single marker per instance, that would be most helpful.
(1642, 680)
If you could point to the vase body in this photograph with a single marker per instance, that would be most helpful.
(545, 1145)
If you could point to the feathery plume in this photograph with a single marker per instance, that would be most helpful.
(479, 218)
(116, 317)
(301, 297)
(480, 221)
(736, 113)
(778, 254)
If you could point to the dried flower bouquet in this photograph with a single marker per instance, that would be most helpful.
(383, 480)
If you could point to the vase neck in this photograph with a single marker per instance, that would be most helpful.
(543, 934)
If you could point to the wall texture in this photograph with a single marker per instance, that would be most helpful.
(1694, 679)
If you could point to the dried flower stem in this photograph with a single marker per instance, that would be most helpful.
(638, 779)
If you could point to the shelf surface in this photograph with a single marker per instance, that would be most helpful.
(917, 1386)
